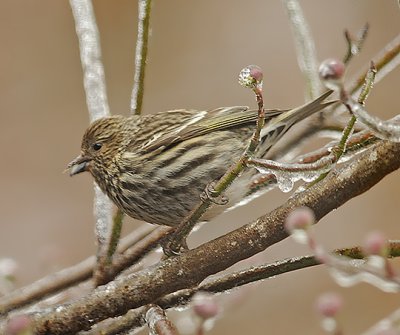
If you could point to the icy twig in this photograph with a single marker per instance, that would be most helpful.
(96, 99)
(386, 130)
(389, 325)
(375, 269)
(158, 322)
(305, 47)
(144, 10)
(356, 143)
(355, 44)
(385, 62)
(90, 52)
(286, 174)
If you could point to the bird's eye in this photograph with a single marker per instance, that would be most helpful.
(97, 146)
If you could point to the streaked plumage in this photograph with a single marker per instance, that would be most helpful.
(154, 167)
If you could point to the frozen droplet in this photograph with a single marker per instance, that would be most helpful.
(329, 324)
(300, 236)
(377, 262)
(288, 174)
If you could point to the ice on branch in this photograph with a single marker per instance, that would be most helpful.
(331, 72)
(375, 269)
(288, 174)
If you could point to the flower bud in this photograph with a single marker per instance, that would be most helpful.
(299, 218)
(329, 304)
(331, 72)
(376, 244)
(19, 325)
(205, 306)
(251, 77)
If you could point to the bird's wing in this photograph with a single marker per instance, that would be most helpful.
(204, 122)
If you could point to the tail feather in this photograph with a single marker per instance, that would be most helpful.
(278, 125)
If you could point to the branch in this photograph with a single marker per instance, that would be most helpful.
(158, 322)
(305, 47)
(96, 100)
(141, 55)
(192, 267)
(386, 61)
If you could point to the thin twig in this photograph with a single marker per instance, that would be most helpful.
(144, 10)
(305, 47)
(354, 45)
(385, 62)
(158, 322)
(355, 144)
(387, 130)
(90, 52)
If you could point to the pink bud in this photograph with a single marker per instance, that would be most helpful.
(329, 304)
(19, 324)
(300, 218)
(204, 305)
(376, 244)
(331, 70)
(251, 77)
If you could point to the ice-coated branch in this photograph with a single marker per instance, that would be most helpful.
(388, 325)
(355, 44)
(305, 47)
(158, 322)
(385, 62)
(331, 71)
(96, 99)
(144, 10)
(356, 144)
(286, 174)
(374, 269)
(89, 46)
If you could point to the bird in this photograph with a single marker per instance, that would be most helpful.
(155, 167)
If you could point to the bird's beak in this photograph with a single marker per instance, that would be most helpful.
(78, 165)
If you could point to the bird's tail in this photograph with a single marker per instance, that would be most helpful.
(278, 125)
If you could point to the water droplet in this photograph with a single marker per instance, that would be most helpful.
(300, 236)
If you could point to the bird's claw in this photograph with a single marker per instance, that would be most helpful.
(210, 194)
(171, 247)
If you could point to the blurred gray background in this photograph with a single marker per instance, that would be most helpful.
(196, 50)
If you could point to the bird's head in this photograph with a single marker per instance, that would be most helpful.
(101, 143)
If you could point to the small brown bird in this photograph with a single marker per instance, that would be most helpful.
(155, 167)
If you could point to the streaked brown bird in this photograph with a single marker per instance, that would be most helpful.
(155, 167)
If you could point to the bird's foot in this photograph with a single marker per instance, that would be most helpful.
(210, 194)
(172, 247)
